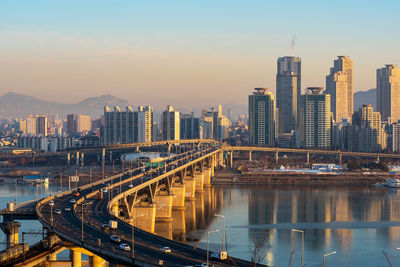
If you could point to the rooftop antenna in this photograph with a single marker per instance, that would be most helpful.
(292, 45)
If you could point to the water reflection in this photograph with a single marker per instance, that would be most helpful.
(356, 222)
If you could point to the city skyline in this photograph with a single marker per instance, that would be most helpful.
(184, 52)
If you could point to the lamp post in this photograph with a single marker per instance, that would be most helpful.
(223, 232)
(330, 253)
(133, 235)
(82, 205)
(208, 244)
(302, 243)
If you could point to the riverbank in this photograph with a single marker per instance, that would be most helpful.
(229, 176)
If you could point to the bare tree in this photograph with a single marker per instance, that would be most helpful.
(258, 251)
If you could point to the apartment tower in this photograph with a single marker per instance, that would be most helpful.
(388, 92)
(288, 91)
(339, 84)
(262, 117)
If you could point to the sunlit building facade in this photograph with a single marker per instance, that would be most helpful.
(388, 92)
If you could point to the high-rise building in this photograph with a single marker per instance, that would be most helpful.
(31, 125)
(220, 124)
(144, 129)
(366, 131)
(288, 91)
(315, 119)
(388, 92)
(339, 84)
(262, 118)
(83, 123)
(71, 124)
(41, 125)
(190, 127)
(170, 124)
(122, 127)
(396, 137)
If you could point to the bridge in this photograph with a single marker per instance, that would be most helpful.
(137, 199)
(134, 198)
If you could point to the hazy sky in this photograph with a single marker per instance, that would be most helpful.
(196, 52)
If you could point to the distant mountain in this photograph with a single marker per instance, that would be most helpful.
(14, 105)
(365, 97)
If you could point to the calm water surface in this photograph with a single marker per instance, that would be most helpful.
(357, 223)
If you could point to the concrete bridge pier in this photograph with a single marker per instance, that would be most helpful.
(96, 261)
(308, 158)
(178, 196)
(115, 209)
(145, 216)
(76, 258)
(199, 177)
(82, 159)
(163, 206)
(250, 155)
(231, 159)
(11, 228)
(207, 177)
(190, 184)
(212, 166)
(276, 157)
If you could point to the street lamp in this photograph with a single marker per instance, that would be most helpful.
(82, 205)
(330, 253)
(224, 231)
(208, 244)
(133, 235)
(302, 243)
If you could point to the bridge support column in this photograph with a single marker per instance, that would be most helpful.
(276, 157)
(308, 158)
(10, 228)
(82, 159)
(340, 159)
(207, 177)
(212, 166)
(96, 261)
(231, 159)
(115, 209)
(145, 217)
(250, 155)
(199, 177)
(190, 190)
(221, 159)
(178, 196)
(179, 224)
(76, 258)
(163, 206)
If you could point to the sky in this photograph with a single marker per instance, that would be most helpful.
(186, 53)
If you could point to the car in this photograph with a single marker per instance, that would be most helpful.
(130, 185)
(166, 249)
(51, 203)
(57, 211)
(72, 200)
(105, 226)
(68, 209)
(124, 246)
(104, 190)
(115, 239)
(77, 194)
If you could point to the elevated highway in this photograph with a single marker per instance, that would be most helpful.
(133, 198)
